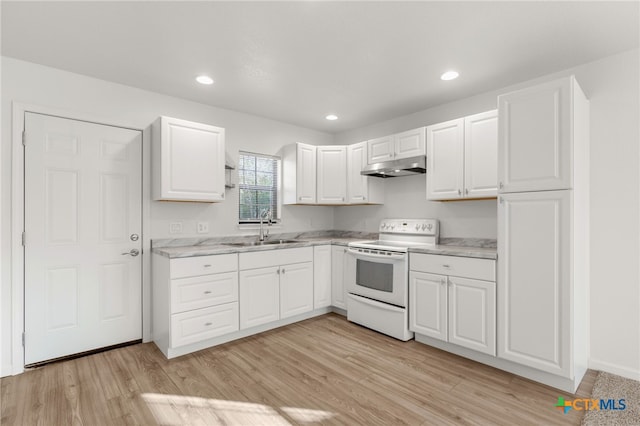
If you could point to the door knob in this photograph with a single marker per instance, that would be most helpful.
(133, 252)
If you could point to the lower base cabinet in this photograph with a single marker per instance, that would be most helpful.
(338, 270)
(446, 304)
(274, 285)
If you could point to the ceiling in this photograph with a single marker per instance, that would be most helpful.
(299, 61)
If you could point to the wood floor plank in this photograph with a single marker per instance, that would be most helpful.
(321, 371)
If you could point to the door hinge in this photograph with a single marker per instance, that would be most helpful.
(23, 238)
(23, 340)
(24, 138)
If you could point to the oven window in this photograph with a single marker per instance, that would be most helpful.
(377, 276)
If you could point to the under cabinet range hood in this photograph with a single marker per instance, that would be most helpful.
(404, 167)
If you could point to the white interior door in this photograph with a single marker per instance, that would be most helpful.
(83, 216)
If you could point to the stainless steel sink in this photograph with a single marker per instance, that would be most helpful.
(261, 243)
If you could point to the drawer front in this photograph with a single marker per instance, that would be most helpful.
(467, 267)
(268, 258)
(201, 324)
(203, 265)
(203, 291)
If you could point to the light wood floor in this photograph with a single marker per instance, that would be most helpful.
(324, 370)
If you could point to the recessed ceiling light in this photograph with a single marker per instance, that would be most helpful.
(449, 75)
(204, 79)
(331, 117)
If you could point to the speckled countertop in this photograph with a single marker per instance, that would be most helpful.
(465, 247)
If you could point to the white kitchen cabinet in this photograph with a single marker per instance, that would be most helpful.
(299, 174)
(361, 189)
(534, 295)
(428, 299)
(259, 296)
(195, 299)
(296, 289)
(543, 231)
(453, 299)
(187, 161)
(535, 137)
(275, 284)
(381, 149)
(481, 155)
(332, 174)
(321, 276)
(472, 314)
(410, 143)
(338, 270)
(445, 160)
(395, 147)
(462, 158)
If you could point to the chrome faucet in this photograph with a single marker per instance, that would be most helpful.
(265, 214)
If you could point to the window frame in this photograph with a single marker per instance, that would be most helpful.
(277, 189)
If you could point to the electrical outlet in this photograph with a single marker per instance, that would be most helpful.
(175, 228)
(202, 227)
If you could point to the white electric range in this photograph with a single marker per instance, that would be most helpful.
(378, 275)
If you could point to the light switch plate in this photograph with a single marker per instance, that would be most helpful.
(175, 228)
(202, 227)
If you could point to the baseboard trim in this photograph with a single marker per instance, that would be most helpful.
(608, 367)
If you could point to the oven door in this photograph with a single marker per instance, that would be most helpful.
(381, 277)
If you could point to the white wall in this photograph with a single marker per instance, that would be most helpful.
(34, 84)
(612, 85)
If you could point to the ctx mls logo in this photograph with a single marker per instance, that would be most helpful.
(586, 404)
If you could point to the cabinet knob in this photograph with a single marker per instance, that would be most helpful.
(278, 271)
(299, 198)
(223, 195)
(466, 191)
(459, 192)
(501, 185)
(443, 281)
(207, 324)
(283, 270)
(207, 292)
(364, 198)
(446, 266)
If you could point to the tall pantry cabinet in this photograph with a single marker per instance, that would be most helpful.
(543, 231)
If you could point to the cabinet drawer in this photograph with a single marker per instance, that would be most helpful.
(201, 324)
(203, 265)
(206, 290)
(268, 258)
(468, 267)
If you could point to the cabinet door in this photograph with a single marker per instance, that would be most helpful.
(259, 296)
(481, 155)
(191, 161)
(356, 183)
(338, 290)
(380, 149)
(296, 289)
(472, 314)
(306, 173)
(534, 138)
(410, 143)
(445, 157)
(332, 174)
(321, 276)
(428, 304)
(534, 280)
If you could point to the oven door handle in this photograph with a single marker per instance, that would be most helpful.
(377, 256)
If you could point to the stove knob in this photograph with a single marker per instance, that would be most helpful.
(423, 226)
(429, 226)
(417, 226)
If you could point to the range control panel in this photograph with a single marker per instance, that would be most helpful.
(410, 226)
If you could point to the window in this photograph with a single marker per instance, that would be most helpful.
(258, 184)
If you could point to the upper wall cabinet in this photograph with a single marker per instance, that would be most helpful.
(394, 147)
(299, 174)
(326, 175)
(361, 189)
(332, 174)
(188, 161)
(462, 158)
(535, 137)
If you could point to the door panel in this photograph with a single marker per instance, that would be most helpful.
(534, 279)
(83, 199)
